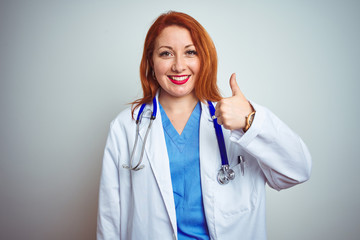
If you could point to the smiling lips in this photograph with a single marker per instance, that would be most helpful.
(179, 79)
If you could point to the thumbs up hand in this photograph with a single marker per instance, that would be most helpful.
(231, 111)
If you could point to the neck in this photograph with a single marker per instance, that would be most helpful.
(178, 105)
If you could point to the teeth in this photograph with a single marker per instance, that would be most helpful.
(179, 78)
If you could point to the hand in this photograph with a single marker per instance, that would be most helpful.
(231, 112)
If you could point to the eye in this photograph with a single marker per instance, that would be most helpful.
(191, 53)
(165, 54)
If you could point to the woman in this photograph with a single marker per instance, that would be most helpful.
(174, 191)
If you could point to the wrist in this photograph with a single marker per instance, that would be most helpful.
(249, 120)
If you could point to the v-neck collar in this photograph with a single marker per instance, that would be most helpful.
(191, 125)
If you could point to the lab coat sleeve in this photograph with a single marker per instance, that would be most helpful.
(281, 154)
(108, 225)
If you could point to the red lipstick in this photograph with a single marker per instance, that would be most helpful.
(179, 79)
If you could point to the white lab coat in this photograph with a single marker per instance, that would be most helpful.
(140, 204)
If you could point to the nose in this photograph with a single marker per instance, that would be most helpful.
(179, 64)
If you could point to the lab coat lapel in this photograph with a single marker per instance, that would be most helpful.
(209, 163)
(156, 152)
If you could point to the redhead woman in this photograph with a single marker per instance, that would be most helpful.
(186, 163)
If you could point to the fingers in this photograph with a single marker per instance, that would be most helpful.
(222, 121)
(234, 86)
(235, 89)
(230, 112)
(220, 111)
(218, 116)
(219, 121)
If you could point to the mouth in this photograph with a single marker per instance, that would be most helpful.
(179, 79)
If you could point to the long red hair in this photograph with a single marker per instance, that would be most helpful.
(205, 86)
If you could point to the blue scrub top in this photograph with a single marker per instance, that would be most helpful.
(183, 151)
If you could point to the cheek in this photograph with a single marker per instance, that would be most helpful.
(195, 66)
(160, 67)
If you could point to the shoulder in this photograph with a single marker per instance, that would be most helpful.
(123, 119)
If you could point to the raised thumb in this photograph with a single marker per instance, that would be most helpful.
(234, 86)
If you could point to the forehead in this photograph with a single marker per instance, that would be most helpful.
(174, 35)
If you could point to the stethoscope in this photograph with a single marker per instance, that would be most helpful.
(225, 174)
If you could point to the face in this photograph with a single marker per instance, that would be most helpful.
(176, 63)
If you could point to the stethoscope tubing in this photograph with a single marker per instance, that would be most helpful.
(138, 121)
(219, 136)
(225, 174)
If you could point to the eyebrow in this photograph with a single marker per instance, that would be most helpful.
(187, 46)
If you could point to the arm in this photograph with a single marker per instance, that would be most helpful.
(108, 225)
(281, 154)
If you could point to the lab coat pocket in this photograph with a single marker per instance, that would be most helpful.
(239, 195)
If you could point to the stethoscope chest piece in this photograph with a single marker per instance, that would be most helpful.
(225, 174)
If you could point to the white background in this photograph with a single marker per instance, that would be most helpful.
(67, 68)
